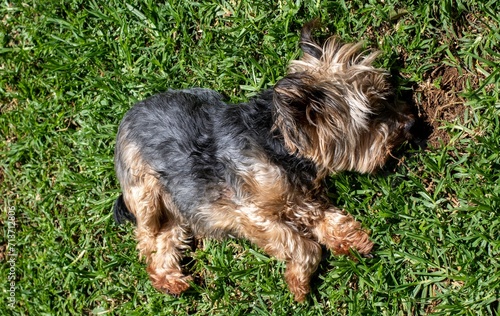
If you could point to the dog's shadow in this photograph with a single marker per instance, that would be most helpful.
(420, 132)
(405, 93)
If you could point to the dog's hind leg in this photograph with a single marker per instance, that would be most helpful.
(164, 267)
(172, 240)
(161, 237)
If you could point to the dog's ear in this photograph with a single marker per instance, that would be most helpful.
(291, 99)
(307, 43)
(297, 99)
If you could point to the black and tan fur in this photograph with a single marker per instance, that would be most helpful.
(191, 165)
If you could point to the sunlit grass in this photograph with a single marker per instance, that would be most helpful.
(69, 70)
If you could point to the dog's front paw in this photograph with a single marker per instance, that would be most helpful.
(169, 281)
(356, 239)
(341, 232)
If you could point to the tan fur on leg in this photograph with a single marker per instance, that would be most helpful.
(161, 238)
(144, 202)
(341, 232)
(164, 269)
(284, 241)
(302, 255)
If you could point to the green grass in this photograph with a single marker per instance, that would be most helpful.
(69, 70)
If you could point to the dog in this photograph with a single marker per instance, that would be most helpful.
(190, 165)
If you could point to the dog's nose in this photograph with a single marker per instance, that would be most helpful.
(406, 122)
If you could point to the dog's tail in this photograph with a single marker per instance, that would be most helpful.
(121, 213)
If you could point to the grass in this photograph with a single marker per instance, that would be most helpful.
(69, 70)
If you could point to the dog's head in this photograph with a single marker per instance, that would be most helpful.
(335, 108)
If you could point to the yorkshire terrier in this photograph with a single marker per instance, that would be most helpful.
(191, 165)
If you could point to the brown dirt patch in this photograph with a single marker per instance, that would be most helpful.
(438, 101)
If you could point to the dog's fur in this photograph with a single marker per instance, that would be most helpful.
(191, 165)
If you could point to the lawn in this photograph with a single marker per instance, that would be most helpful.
(69, 70)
